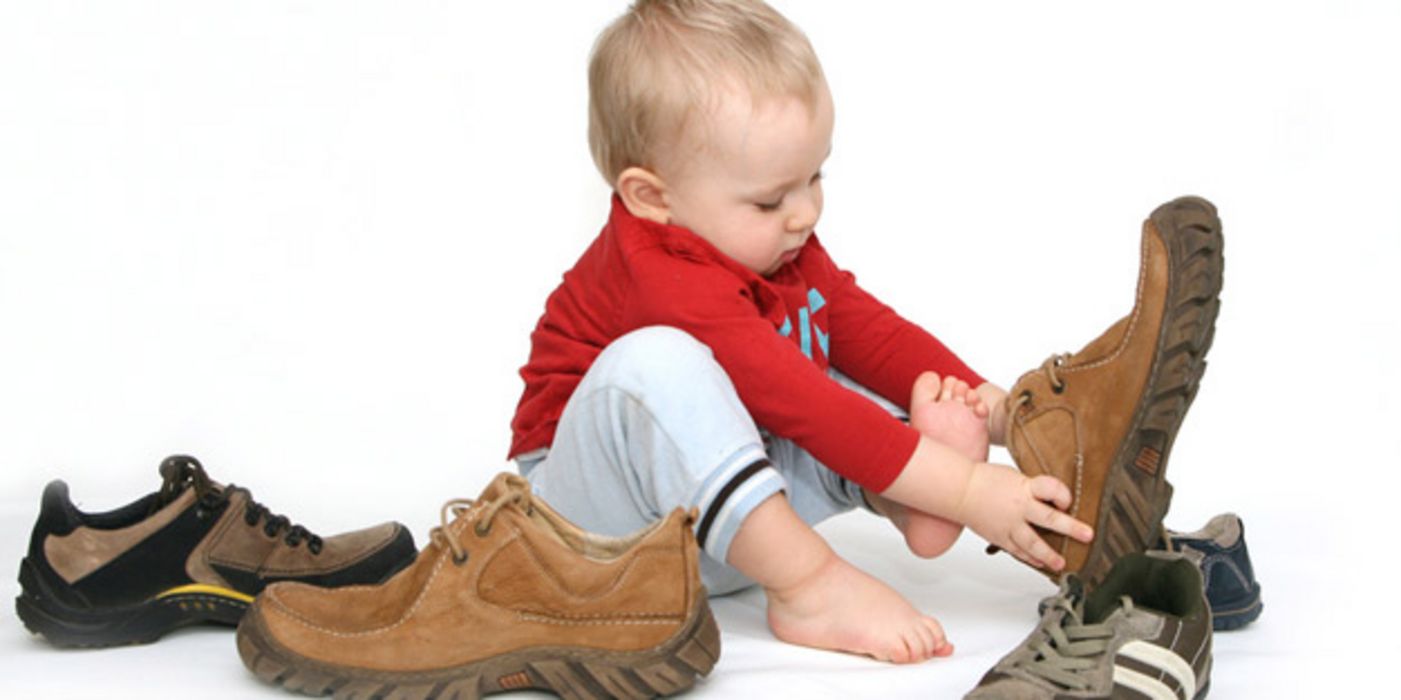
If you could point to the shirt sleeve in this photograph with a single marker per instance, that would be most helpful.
(878, 347)
(783, 390)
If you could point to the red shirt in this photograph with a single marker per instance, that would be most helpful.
(774, 337)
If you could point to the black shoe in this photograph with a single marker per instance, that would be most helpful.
(1219, 551)
(194, 551)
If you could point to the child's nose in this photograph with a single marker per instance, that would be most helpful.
(804, 214)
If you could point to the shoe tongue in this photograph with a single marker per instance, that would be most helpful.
(1102, 346)
(503, 486)
(1073, 590)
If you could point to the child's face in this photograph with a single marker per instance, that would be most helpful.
(747, 177)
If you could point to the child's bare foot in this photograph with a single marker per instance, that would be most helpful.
(842, 608)
(926, 535)
(950, 413)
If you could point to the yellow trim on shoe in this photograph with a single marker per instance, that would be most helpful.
(206, 589)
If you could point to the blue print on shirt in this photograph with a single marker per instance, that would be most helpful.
(807, 329)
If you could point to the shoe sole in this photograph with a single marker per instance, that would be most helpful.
(1136, 492)
(574, 673)
(1237, 617)
(141, 623)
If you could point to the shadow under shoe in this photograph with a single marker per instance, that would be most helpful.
(1103, 420)
(192, 552)
(508, 596)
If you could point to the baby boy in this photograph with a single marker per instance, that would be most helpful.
(706, 352)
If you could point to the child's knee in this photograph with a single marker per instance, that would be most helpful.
(652, 353)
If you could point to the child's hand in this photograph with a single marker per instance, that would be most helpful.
(1002, 505)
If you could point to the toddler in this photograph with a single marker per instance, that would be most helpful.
(706, 352)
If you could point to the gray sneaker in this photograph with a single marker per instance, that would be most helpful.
(1145, 632)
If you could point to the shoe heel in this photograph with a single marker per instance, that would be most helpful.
(1238, 617)
(66, 626)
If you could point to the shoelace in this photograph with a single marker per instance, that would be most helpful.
(181, 470)
(1049, 367)
(1022, 399)
(274, 524)
(1068, 647)
(518, 492)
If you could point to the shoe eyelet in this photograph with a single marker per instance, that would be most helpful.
(1058, 388)
(459, 562)
(481, 531)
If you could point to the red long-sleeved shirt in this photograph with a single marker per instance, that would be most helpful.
(774, 337)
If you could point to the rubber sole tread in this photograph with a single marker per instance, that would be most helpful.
(1134, 502)
(582, 674)
(68, 627)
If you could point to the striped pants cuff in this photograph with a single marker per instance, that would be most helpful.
(726, 498)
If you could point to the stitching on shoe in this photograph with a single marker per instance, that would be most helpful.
(330, 566)
(1079, 456)
(535, 617)
(1137, 308)
(460, 524)
(1176, 635)
(205, 598)
(1203, 646)
(204, 549)
(559, 582)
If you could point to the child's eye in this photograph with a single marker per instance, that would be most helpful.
(769, 206)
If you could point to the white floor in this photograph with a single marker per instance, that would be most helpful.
(307, 242)
(987, 605)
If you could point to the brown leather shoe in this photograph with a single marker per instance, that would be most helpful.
(1103, 419)
(508, 595)
(193, 552)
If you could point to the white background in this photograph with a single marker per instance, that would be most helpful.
(306, 242)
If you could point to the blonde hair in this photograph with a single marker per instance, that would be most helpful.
(662, 58)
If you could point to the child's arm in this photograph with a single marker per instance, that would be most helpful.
(999, 503)
(876, 346)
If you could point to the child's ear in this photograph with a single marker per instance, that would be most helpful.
(644, 194)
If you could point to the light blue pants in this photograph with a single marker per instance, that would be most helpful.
(655, 424)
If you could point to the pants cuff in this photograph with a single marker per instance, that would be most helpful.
(727, 497)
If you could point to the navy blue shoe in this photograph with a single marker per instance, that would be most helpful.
(1219, 551)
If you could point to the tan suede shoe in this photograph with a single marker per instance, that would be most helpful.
(508, 595)
(1103, 419)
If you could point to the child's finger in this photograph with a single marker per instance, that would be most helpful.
(1016, 551)
(1048, 518)
(1051, 490)
(1038, 550)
